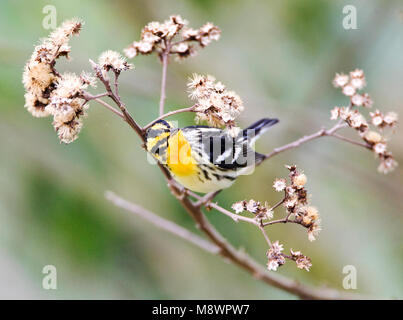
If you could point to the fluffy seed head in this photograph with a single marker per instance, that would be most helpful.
(215, 104)
(300, 180)
(113, 60)
(372, 137)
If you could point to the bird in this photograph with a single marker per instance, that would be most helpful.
(202, 158)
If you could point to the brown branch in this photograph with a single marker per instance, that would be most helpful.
(162, 223)
(229, 253)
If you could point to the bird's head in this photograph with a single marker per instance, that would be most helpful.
(157, 138)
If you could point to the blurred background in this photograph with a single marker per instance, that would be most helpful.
(280, 57)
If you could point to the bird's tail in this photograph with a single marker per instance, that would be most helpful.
(255, 130)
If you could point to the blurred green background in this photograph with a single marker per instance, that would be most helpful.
(280, 57)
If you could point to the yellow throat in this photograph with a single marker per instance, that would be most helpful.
(179, 156)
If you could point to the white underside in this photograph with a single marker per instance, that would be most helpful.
(193, 183)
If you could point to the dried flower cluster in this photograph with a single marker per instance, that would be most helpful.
(63, 96)
(214, 103)
(296, 201)
(157, 37)
(67, 107)
(52, 93)
(352, 115)
(298, 210)
(39, 77)
(261, 211)
(276, 258)
(303, 262)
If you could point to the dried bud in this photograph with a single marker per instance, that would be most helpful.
(303, 262)
(358, 100)
(313, 231)
(388, 164)
(299, 180)
(335, 113)
(252, 206)
(239, 206)
(183, 50)
(372, 137)
(88, 79)
(377, 118)
(312, 213)
(279, 184)
(379, 148)
(113, 60)
(68, 132)
(355, 120)
(340, 80)
(348, 90)
(190, 34)
(357, 79)
(207, 33)
(275, 256)
(381, 121)
(367, 101)
(391, 118)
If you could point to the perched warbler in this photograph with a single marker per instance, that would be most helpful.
(202, 158)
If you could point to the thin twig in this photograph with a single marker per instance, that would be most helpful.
(168, 114)
(357, 143)
(117, 84)
(164, 58)
(234, 217)
(261, 228)
(99, 95)
(277, 204)
(115, 97)
(285, 220)
(88, 97)
(300, 141)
